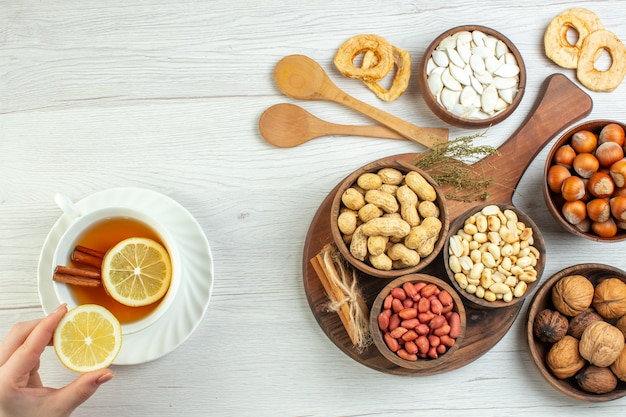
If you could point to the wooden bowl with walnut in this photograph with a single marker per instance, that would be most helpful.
(542, 307)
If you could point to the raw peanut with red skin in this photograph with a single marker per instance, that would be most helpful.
(432, 352)
(391, 342)
(436, 322)
(398, 293)
(447, 340)
(406, 355)
(441, 349)
(387, 312)
(422, 329)
(422, 344)
(425, 317)
(429, 290)
(445, 329)
(387, 302)
(455, 325)
(411, 347)
(417, 298)
(383, 322)
(410, 323)
(409, 289)
(434, 340)
(423, 305)
(445, 298)
(410, 336)
(398, 332)
(447, 309)
(394, 322)
(435, 306)
(408, 303)
(408, 313)
(397, 305)
(419, 285)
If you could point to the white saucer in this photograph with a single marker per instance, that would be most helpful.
(192, 299)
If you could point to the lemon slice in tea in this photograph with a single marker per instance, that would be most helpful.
(88, 338)
(137, 271)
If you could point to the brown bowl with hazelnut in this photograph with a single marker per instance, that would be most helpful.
(575, 331)
(389, 219)
(494, 255)
(418, 322)
(472, 76)
(585, 181)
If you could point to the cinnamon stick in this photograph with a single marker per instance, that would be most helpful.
(79, 272)
(76, 276)
(87, 256)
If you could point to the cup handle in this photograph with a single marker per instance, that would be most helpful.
(68, 207)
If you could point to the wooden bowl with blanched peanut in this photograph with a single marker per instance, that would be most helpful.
(389, 219)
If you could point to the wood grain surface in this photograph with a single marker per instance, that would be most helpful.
(166, 95)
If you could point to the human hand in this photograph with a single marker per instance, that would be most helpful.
(22, 393)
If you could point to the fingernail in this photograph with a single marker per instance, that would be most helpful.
(59, 308)
(105, 378)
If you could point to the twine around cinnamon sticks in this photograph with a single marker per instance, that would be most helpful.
(345, 298)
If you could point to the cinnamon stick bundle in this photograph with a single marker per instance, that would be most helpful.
(341, 287)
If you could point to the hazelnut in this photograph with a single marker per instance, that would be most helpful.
(572, 295)
(564, 359)
(609, 298)
(596, 380)
(601, 343)
(619, 366)
(550, 326)
(580, 322)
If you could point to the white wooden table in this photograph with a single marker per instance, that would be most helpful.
(166, 95)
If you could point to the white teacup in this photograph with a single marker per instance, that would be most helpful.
(80, 226)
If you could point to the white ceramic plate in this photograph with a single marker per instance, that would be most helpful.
(194, 294)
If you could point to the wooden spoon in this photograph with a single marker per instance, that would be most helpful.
(300, 77)
(287, 125)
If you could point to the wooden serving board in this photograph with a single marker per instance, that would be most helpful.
(560, 103)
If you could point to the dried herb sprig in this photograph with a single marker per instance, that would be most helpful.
(447, 164)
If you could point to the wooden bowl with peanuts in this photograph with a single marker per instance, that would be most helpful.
(494, 255)
(389, 219)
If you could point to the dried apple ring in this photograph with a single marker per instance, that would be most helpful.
(557, 46)
(402, 61)
(353, 47)
(592, 47)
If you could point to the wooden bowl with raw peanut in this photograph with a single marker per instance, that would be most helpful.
(418, 322)
(389, 219)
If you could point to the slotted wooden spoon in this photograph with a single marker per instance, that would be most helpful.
(300, 77)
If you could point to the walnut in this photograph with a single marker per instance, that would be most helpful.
(564, 359)
(550, 326)
(609, 298)
(601, 343)
(619, 366)
(596, 380)
(621, 324)
(578, 324)
(572, 294)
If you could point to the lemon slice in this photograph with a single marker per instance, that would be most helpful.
(137, 271)
(88, 338)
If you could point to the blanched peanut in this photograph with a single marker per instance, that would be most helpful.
(503, 255)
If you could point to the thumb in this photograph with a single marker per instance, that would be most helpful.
(81, 389)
